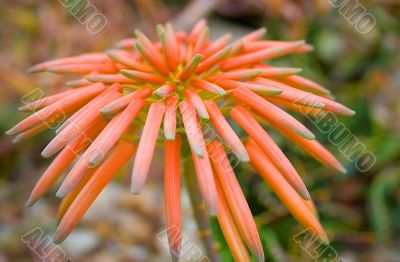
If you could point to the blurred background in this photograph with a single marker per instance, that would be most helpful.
(359, 210)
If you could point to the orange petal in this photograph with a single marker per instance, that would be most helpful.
(110, 78)
(235, 199)
(150, 53)
(170, 46)
(63, 160)
(206, 181)
(255, 35)
(143, 77)
(43, 102)
(67, 201)
(197, 29)
(146, 147)
(253, 46)
(82, 119)
(260, 89)
(276, 116)
(172, 195)
(183, 51)
(120, 103)
(313, 111)
(230, 231)
(112, 133)
(215, 46)
(59, 109)
(127, 59)
(200, 157)
(31, 132)
(201, 41)
(207, 86)
(226, 132)
(120, 155)
(81, 82)
(247, 74)
(170, 117)
(213, 60)
(315, 149)
(311, 206)
(196, 101)
(283, 190)
(240, 75)
(291, 94)
(256, 57)
(306, 85)
(165, 90)
(81, 59)
(190, 67)
(192, 128)
(83, 68)
(100, 147)
(127, 43)
(270, 148)
(82, 111)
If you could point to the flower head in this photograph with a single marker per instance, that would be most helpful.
(169, 89)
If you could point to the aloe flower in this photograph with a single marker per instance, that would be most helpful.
(139, 94)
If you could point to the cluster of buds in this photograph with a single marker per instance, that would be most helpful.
(143, 92)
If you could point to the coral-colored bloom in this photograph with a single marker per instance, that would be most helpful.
(169, 89)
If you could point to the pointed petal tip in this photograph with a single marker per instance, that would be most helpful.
(46, 153)
(197, 58)
(29, 203)
(204, 115)
(52, 70)
(174, 256)
(212, 212)
(276, 91)
(74, 83)
(59, 238)
(198, 152)
(62, 192)
(103, 111)
(341, 169)
(350, 112)
(221, 92)
(305, 194)
(33, 70)
(95, 158)
(243, 156)
(260, 256)
(111, 51)
(296, 70)
(15, 140)
(25, 109)
(306, 134)
(324, 238)
(299, 42)
(10, 132)
(212, 206)
(137, 32)
(169, 136)
(91, 78)
(124, 71)
(135, 190)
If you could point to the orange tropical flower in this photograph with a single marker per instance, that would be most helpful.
(165, 91)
